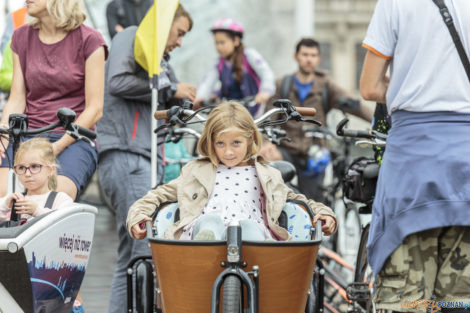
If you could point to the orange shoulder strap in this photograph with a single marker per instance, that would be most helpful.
(19, 17)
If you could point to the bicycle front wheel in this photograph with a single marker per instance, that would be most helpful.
(363, 272)
(232, 297)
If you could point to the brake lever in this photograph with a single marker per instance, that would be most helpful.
(87, 140)
(74, 134)
(285, 139)
(176, 138)
(307, 120)
(380, 136)
(163, 126)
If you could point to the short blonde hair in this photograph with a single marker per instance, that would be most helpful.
(67, 14)
(46, 153)
(226, 115)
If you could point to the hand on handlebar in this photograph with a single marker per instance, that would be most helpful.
(185, 91)
(13, 196)
(328, 223)
(270, 152)
(262, 97)
(138, 230)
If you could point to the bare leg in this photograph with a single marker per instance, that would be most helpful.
(66, 185)
(3, 181)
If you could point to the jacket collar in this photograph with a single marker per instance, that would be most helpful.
(205, 174)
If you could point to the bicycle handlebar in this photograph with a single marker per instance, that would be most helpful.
(306, 111)
(162, 114)
(18, 126)
(343, 132)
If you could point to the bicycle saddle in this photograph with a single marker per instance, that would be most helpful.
(287, 169)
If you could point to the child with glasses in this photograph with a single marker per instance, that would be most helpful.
(35, 165)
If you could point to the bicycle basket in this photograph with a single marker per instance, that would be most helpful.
(360, 180)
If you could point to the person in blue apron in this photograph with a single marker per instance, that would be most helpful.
(419, 242)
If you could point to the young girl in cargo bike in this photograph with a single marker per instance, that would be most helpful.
(231, 183)
(35, 165)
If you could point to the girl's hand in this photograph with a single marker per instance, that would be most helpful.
(328, 223)
(26, 206)
(262, 97)
(14, 196)
(138, 230)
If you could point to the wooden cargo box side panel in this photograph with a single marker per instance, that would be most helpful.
(284, 275)
(186, 274)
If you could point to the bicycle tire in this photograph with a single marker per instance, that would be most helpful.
(361, 260)
(231, 296)
(349, 235)
(312, 304)
(363, 272)
(352, 220)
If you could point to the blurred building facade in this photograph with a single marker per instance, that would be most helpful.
(340, 26)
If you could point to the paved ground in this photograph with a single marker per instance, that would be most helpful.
(97, 282)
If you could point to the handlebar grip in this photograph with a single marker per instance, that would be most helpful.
(357, 134)
(86, 132)
(306, 111)
(148, 227)
(160, 115)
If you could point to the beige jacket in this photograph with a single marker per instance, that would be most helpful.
(194, 186)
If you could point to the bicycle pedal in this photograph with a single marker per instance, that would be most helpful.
(358, 292)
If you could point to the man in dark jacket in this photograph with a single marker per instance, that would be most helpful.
(124, 137)
(124, 13)
(308, 87)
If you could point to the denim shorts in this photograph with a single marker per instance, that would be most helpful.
(77, 162)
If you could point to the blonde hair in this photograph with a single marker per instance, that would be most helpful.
(46, 153)
(67, 14)
(226, 115)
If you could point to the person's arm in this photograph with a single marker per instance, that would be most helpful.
(125, 78)
(374, 81)
(336, 94)
(94, 93)
(206, 87)
(143, 208)
(321, 211)
(267, 86)
(62, 200)
(111, 18)
(5, 206)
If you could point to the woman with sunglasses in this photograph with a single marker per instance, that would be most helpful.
(36, 167)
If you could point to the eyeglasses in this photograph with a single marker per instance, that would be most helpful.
(33, 168)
